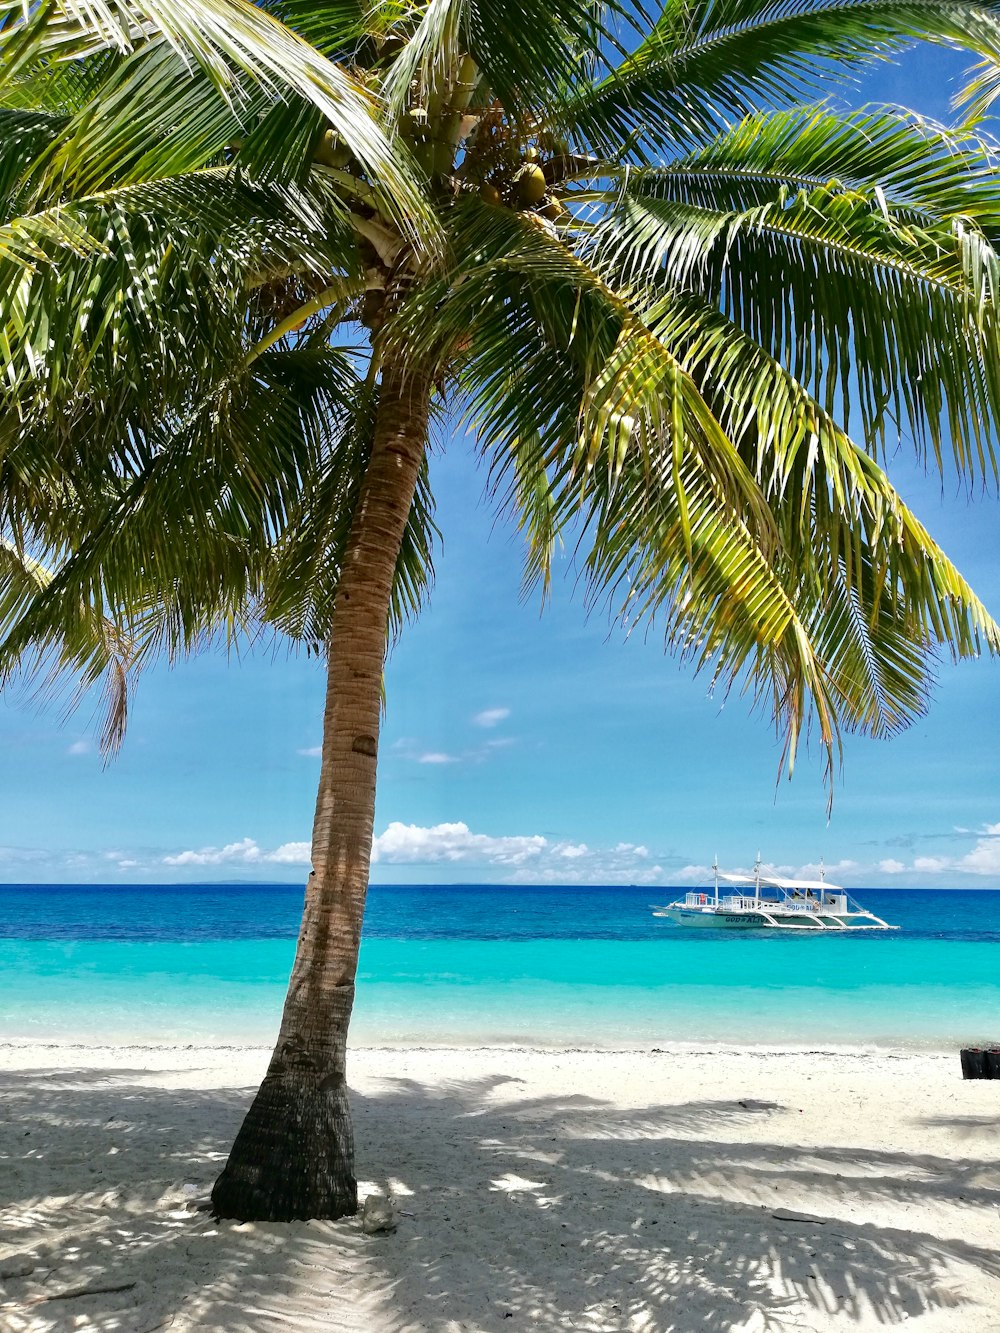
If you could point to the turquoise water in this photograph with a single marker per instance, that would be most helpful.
(474, 966)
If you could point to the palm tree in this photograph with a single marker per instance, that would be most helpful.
(660, 285)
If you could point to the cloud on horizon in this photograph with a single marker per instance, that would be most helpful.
(982, 860)
(516, 858)
(246, 852)
(530, 857)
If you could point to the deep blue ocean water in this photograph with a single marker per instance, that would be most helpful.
(482, 964)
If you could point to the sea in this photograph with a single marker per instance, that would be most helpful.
(473, 965)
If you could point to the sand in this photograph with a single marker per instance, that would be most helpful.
(639, 1191)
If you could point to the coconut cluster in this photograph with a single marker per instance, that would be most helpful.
(511, 178)
(527, 187)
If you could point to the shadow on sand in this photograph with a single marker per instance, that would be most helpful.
(558, 1213)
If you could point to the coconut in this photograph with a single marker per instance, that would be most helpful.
(332, 151)
(489, 192)
(531, 154)
(530, 181)
(553, 210)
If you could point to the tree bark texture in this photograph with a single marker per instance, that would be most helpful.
(294, 1154)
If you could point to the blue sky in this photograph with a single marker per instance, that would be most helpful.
(518, 747)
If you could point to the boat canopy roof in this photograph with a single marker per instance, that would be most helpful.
(778, 883)
(800, 883)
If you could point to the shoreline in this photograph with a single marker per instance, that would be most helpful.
(713, 1190)
(859, 1051)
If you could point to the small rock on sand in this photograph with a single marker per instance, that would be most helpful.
(379, 1214)
(16, 1265)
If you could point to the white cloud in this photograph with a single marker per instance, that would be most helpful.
(692, 874)
(632, 848)
(409, 844)
(837, 871)
(930, 865)
(436, 757)
(521, 858)
(79, 747)
(313, 752)
(890, 866)
(491, 717)
(126, 864)
(290, 854)
(984, 859)
(526, 858)
(245, 852)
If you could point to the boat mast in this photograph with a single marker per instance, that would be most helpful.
(715, 869)
(756, 876)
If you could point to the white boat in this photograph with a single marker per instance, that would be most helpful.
(762, 901)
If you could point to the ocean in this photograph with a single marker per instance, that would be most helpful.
(494, 964)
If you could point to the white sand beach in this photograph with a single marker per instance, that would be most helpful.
(592, 1191)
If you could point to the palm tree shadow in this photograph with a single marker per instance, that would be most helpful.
(557, 1213)
(965, 1126)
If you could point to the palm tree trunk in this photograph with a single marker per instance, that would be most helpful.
(294, 1154)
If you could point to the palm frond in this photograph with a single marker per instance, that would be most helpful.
(919, 167)
(883, 306)
(86, 646)
(177, 545)
(153, 116)
(105, 296)
(59, 87)
(24, 136)
(706, 62)
(849, 548)
(348, 31)
(530, 64)
(223, 36)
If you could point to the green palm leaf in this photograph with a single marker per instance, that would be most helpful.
(705, 62)
(858, 285)
(223, 36)
(85, 646)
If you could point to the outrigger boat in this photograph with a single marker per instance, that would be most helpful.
(768, 902)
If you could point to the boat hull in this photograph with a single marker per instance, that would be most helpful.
(749, 920)
(699, 916)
